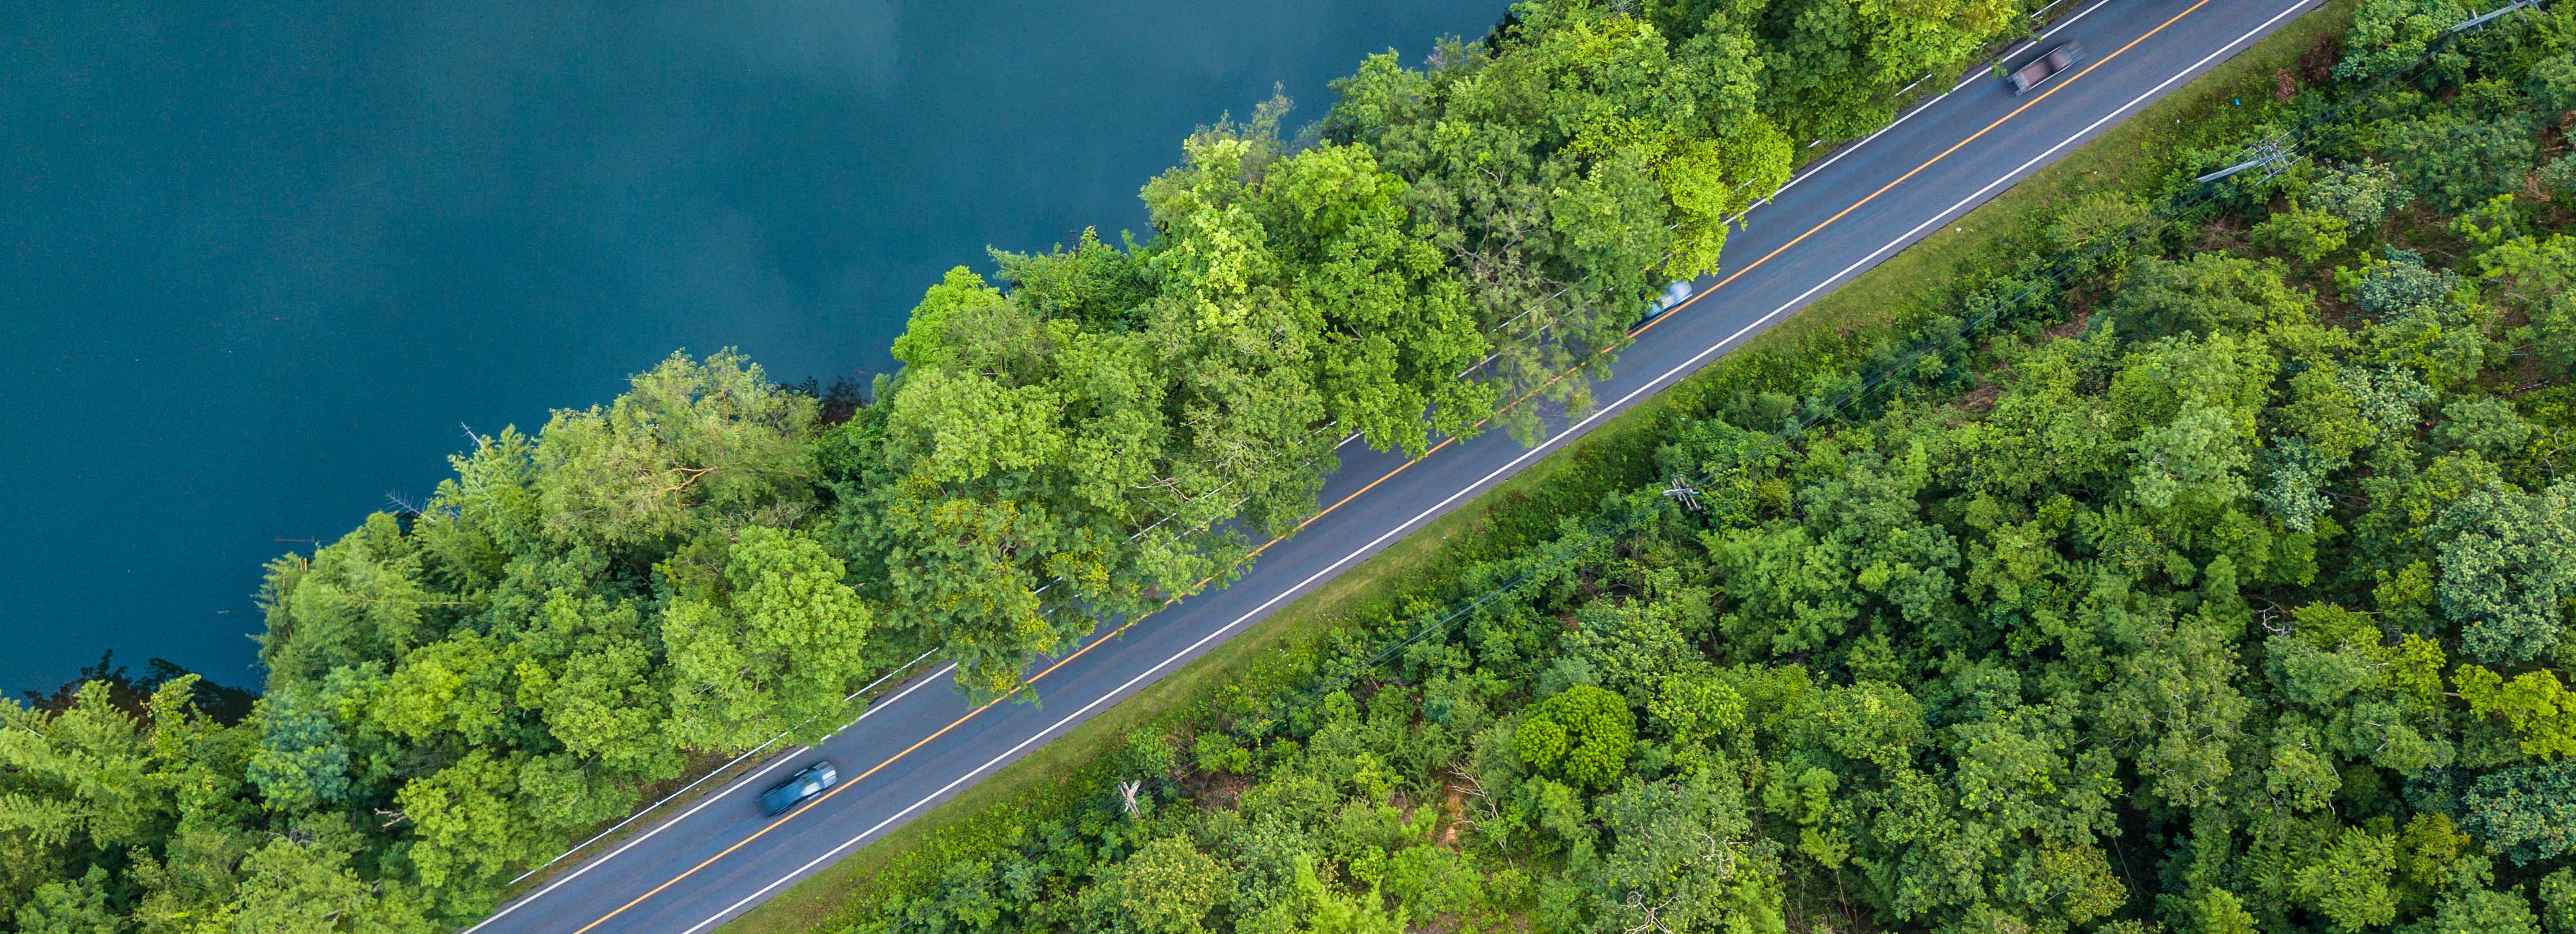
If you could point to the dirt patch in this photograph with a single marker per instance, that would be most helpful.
(1981, 398)
(2284, 87)
(2222, 233)
(2316, 65)
(2074, 323)
(1215, 790)
(1453, 814)
(1835, 918)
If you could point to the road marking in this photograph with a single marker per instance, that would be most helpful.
(1971, 78)
(1543, 447)
(1354, 436)
(1839, 215)
(730, 788)
(2043, 37)
(1909, 114)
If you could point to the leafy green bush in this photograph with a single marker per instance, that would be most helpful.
(1582, 733)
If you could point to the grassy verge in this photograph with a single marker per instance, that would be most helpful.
(1069, 772)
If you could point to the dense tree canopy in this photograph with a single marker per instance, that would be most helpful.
(710, 560)
(2223, 591)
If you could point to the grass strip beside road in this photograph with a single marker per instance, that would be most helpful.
(1073, 771)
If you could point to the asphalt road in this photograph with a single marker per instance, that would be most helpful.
(720, 856)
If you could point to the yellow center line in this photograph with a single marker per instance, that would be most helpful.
(1856, 205)
(1400, 468)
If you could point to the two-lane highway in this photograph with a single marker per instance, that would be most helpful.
(695, 869)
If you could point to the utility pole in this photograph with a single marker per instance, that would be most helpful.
(2485, 18)
(1682, 492)
(2268, 153)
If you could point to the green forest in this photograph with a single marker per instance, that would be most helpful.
(2220, 588)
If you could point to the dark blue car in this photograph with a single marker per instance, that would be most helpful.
(799, 788)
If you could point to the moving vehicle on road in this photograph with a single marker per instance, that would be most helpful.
(1673, 296)
(2045, 67)
(799, 788)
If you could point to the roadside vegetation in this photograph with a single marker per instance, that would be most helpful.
(2221, 588)
(582, 613)
(2043, 215)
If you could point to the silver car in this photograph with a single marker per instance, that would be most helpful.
(1674, 295)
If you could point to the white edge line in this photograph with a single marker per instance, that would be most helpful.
(2007, 177)
(1514, 463)
(1909, 114)
(711, 773)
(736, 785)
(2043, 37)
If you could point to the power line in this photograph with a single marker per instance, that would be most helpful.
(2199, 195)
(1683, 491)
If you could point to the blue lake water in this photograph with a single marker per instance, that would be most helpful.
(258, 262)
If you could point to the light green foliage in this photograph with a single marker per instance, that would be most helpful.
(289, 887)
(2486, 426)
(770, 648)
(2094, 216)
(2556, 894)
(2204, 293)
(1687, 850)
(77, 906)
(2450, 159)
(2537, 277)
(1166, 887)
(1597, 153)
(1582, 733)
(2219, 911)
(89, 776)
(2239, 607)
(360, 598)
(1840, 55)
(2482, 912)
(2233, 610)
(2420, 319)
(2541, 711)
(2389, 35)
(690, 440)
(2308, 235)
(2348, 882)
(1320, 908)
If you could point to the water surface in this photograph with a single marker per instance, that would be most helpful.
(259, 262)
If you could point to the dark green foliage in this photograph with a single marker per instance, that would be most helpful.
(2239, 609)
(2362, 194)
(711, 560)
(2389, 36)
(2528, 812)
(2452, 160)
(2558, 178)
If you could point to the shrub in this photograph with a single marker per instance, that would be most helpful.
(1582, 734)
